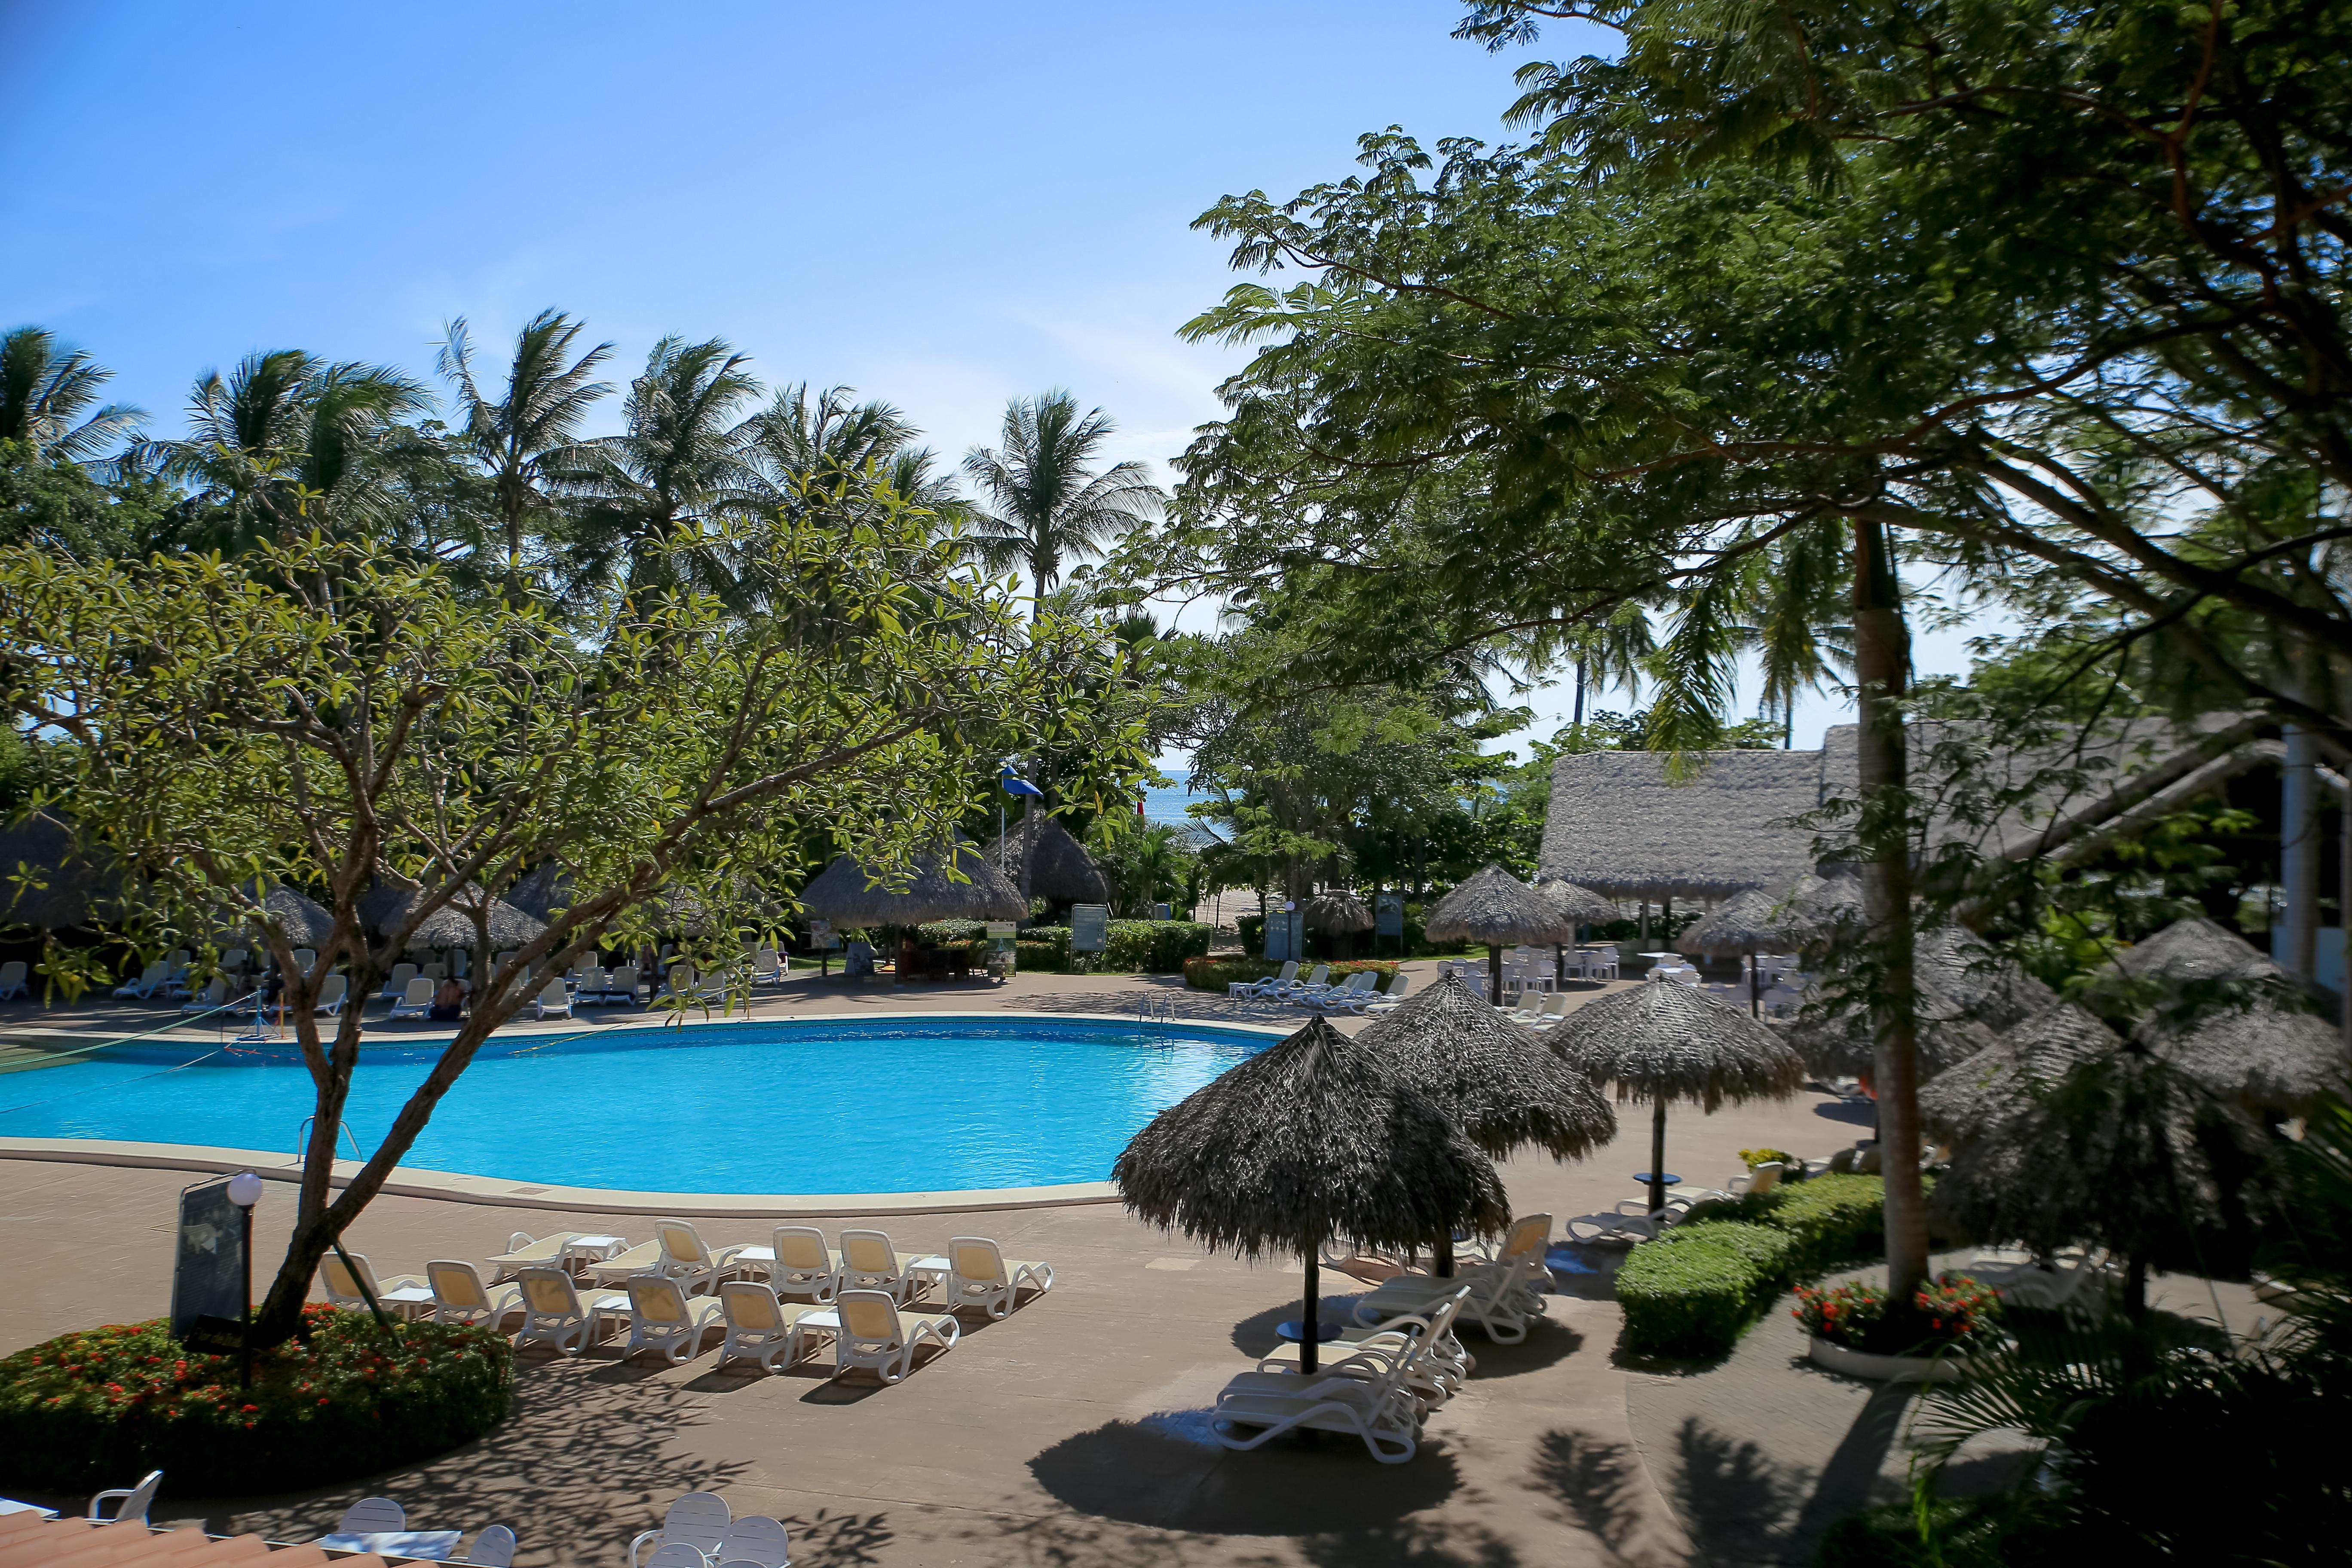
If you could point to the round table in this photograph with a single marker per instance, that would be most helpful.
(1669, 1179)
(1295, 1331)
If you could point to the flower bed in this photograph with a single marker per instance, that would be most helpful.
(1856, 1329)
(103, 1406)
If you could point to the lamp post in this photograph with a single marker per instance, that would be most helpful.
(244, 1191)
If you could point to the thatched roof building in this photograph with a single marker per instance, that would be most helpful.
(1316, 1139)
(1060, 869)
(306, 922)
(1336, 911)
(1618, 825)
(846, 896)
(385, 905)
(1497, 1083)
(76, 888)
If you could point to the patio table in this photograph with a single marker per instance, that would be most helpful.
(930, 1272)
(592, 1249)
(431, 1545)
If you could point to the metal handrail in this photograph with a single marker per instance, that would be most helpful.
(302, 1139)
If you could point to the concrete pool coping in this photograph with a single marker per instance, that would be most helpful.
(509, 1192)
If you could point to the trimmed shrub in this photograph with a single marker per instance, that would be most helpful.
(1154, 947)
(1836, 1219)
(1048, 945)
(1036, 957)
(1689, 1293)
(85, 1410)
(1205, 973)
(946, 933)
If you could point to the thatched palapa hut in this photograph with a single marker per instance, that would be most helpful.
(383, 908)
(1498, 909)
(1744, 925)
(846, 895)
(1340, 915)
(1316, 1139)
(1967, 995)
(1059, 870)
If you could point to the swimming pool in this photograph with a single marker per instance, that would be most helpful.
(817, 1106)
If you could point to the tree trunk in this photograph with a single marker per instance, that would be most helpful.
(1881, 645)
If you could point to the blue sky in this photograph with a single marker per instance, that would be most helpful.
(944, 205)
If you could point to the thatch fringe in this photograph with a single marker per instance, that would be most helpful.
(1658, 1040)
(1497, 909)
(1500, 1085)
(845, 894)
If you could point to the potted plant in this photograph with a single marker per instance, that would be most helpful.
(1791, 1168)
(1856, 1330)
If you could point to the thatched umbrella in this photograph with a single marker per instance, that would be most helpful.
(1316, 1139)
(1968, 995)
(305, 921)
(1060, 869)
(1664, 1042)
(1831, 905)
(1496, 1082)
(846, 895)
(2067, 1133)
(385, 906)
(1580, 906)
(1743, 925)
(1497, 909)
(75, 887)
(2230, 1017)
(546, 890)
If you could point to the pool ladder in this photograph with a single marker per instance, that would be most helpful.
(1156, 1013)
(302, 1140)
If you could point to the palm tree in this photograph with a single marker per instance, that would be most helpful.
(683, 461)
(286, 441)
(45, 386)
(803, 439)
(1048, 505)
(528, 441)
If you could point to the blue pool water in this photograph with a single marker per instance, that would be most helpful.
(831, 1106)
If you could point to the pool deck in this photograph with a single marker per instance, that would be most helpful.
(1069, 1433)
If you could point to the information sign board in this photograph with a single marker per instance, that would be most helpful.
(208, 1260)
(820, 934)
(1387, 915)
(1089, 926)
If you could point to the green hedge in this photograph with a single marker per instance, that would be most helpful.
(1130, 947)
(1690, 1292)
(103, 1406)
(1204, 973)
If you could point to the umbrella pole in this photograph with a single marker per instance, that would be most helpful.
(1446, 1255)
(1495, 973)
(1310, 1320)
(1755, 994)
(1658, 1154)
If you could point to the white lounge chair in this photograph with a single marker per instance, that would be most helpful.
(1272, 985)
(768, 967)
(333, 993)
(402, 1294)
(621, 985)
(759, 1327)
(754, 1541)
(216, 996)
(1763, 1179)
(678, 1554)
(875, 1335)
(698, 1520)
(494, 1547)
(1506, 1292)
(306, 959)
(689, 1259)
(796, 1262)
(416, 1000)
(646, 1258)
(372, 1515)
(460, 1297)
(552, 1311)
(1380, 1410)
(980, 1276)
(1437, 1364)
(142, 988)
(1348, 998)
(663, 1318)
(395, 984)
(869, 1262)
(554, 997)
(132, 1502)
(1315, 979)
(522, 1252)
(12, 979)
(1393, 997)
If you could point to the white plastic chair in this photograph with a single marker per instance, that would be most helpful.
(797, 1262)
(980, 1276)
(134, 1500)
(333, 993)
(553, 1310)
(416, 999)
(460, 1297)
(494, 1547)
(881, 1339)
(697, 1521)
(759, 1327)
(1381, 1410)
(755, 1538)
(373, 1516)
(554, 997)
(663, 1318)
(306, 959)
(145, 987)
(216, 996)
(398, 1293)
(12, 979)
(395, 984)
(686, 1258)
(767, 967)
(1393, 997)
(677, 1555)
(1272, 985)
(869, 1262)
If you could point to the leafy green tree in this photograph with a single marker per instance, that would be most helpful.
(1049, 505)
(63, 505)
(527, 440)
(48, 397)
(331, 714)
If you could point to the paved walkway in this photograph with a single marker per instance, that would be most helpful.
(1071, 1433)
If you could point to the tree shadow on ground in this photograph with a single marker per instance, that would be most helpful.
(1601, 1485)
(578, 1467)
(1857, 1112)
(828, 1540)
(1738, 1498)
(1586, 1272)
(1167, 1472)
(1548, 1343)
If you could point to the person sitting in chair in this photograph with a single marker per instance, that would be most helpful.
(448, 1003)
